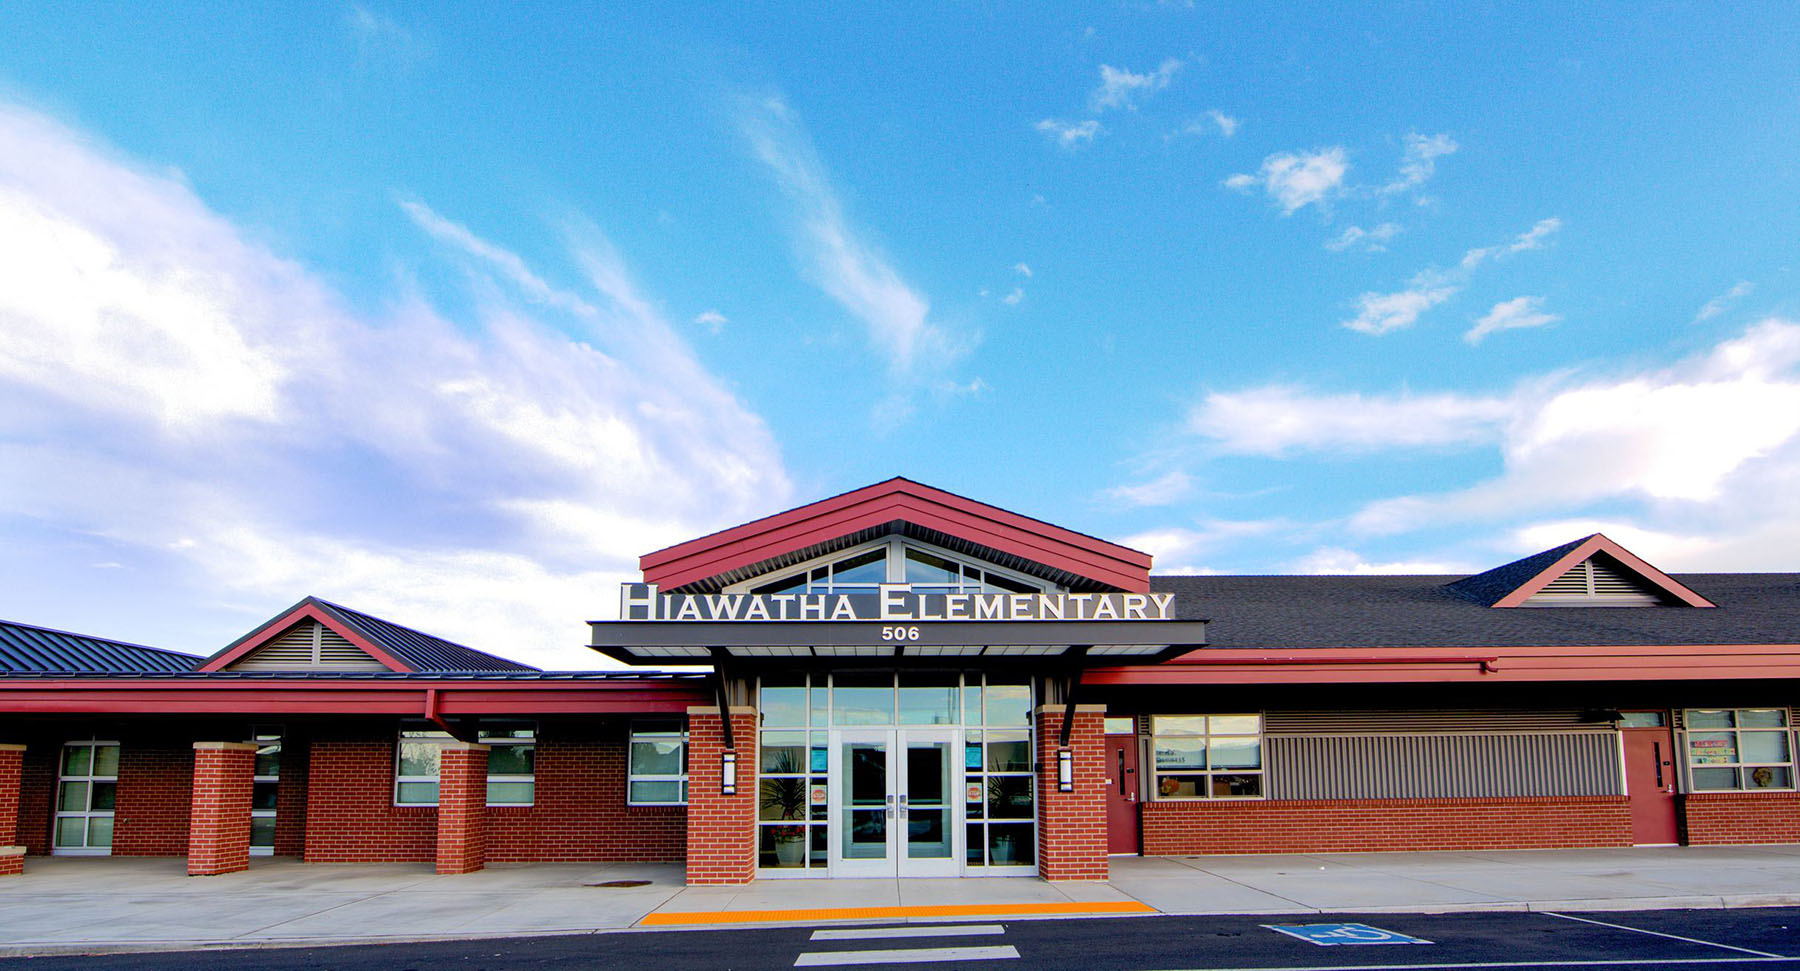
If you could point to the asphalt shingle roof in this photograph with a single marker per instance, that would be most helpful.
(1279, 612)
(28, 648)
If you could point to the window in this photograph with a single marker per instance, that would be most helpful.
(512, 763)
(1207, 756)
(85, 793)
(1738, 748)
(657, 774)
(264, 788)
(895, 561)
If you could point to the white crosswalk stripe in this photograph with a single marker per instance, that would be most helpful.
(934, 930)
(911, 955)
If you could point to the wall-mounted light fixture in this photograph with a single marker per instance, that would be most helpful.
(728, 774)
(1065, 770)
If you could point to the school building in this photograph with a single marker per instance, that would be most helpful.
(901, 681)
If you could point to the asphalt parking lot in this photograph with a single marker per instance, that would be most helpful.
(1632, 939)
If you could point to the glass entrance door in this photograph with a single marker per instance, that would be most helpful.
(895, 802)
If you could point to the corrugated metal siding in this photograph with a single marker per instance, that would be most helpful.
(1584, 763)
(24, 648)
(1429, 721)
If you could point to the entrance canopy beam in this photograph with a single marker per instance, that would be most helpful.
(928, 642)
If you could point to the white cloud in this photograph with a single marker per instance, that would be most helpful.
(1069, 134)
(1228, 125)
(1519, 312)
(1297, 179)
(1161, 491)
(1419, 161)
(1022, 270)
(1372, 240)
(1279, 420)
(1712, 434)
(179, 390)
(1717, 305)
(1213, 121)
(1380, 313)
(1177, 549)
(1120, 88)
(849, 269)
(712, 320)
(376, 34)
(1338, 561)
(1014, 298)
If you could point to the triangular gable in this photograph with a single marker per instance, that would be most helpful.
(893, 506)
(294, 623)
(1553, 575)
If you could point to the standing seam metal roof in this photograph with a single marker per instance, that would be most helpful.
(416, 649)
(28, 648)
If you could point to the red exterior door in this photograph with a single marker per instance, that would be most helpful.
(1122, 794)
(1650, 781)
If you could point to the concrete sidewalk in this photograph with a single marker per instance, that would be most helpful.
(66, 905)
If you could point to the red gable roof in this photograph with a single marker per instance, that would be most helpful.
(896, 503)
(1598, 543)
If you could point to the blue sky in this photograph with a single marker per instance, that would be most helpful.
(450, 313)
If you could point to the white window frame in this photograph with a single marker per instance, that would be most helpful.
(89, 813)
(439, 737)
(637, 731)
(495, 742)
(1209, 772)
(1737, 730)
(896, 547)
(264, 736)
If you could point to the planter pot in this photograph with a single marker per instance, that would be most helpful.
(790, 852)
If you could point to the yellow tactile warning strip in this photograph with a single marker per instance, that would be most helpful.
(888, 913)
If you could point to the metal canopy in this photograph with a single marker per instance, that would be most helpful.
(1108, 642)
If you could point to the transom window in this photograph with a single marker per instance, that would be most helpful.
(928, 569)
(1207, 756)
(1738, 748)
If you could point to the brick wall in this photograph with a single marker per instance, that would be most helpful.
(219, 827)
(462, 822)
(1071, 826)
(579, 814)
(150, 815)
(37, 791)
(290, 796)
(12, 764)
(1341, 826)
(1742, 817)
(721, 830)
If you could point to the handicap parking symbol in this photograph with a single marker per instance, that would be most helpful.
(1328, 935)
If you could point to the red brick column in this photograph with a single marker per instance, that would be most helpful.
(12, 770)
(1072, 825)
(721, 829)
(219, 822)
(462, 808)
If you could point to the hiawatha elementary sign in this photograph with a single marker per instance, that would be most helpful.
(892, 602)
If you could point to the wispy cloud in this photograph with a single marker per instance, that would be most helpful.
(1121, 88)
(380, 35)
(1014, 298)
(1280, 420)
(1227, 125)
(1161, 491)
(1297, 179)
(1719, 304)
(160, 336)
(1338, 561)
(1419, 161)
(712, 320)
(846, 267)
(1513, 314)
(1382, 313)
(1022, 270)
(1069, 134)
(1371, 240)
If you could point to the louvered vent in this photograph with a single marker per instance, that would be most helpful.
(1596, 582)
(308, 646)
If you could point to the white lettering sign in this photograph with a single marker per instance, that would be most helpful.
(894, 603)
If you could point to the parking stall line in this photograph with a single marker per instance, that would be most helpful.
(1672, 937)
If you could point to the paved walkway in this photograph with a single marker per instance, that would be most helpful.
(64, 904)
